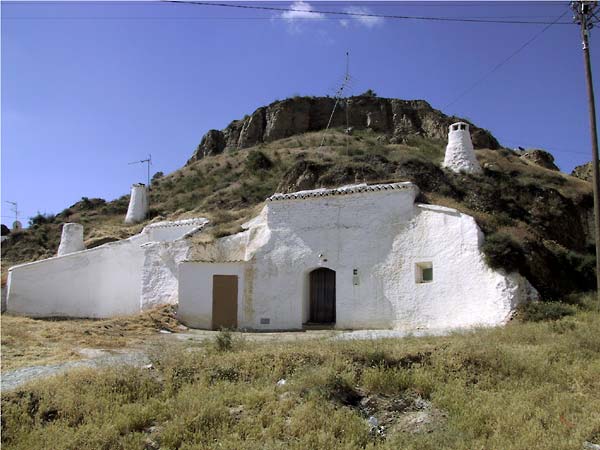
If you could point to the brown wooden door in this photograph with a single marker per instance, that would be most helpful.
(322, 296)
(224, 311)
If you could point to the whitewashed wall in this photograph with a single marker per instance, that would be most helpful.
(464, 292)
(159, 274)
(382, 235)
(122, 277)
(353, 231)
(195, 291)
(100, 282)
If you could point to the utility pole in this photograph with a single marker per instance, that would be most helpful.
(585, 15)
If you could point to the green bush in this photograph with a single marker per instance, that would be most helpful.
(503, 252)
(257, 160)
(224, 340)
(540, 311)
(41, 219)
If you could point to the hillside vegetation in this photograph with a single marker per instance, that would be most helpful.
(536, 220)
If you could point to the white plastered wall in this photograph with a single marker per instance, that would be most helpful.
(196, 287)
(350, 232)
(159, 274)
(122, 277)
(100, 282)
(464, 292)
(460, 155)
(382, 235)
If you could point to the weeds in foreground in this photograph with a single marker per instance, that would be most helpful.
(531, 385)
(224, 340)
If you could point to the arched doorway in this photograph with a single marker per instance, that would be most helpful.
(322, 296)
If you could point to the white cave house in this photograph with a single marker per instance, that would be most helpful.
(355, 257)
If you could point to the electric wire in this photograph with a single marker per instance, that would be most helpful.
(366, 15)
(504, 61)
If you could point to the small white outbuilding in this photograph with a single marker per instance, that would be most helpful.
(460, 155)
(138, 204)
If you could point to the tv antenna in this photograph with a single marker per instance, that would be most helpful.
(16, 226)
(15, 209)
(338, 97)
(147, 161)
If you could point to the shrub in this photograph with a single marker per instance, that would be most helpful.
(257, 160)
(539, 311)
(369, 93)
(503, 252)
(224, 340)
(157, 176)
(41, 219)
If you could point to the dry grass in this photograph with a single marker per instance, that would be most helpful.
(524, 386)
(28, 342)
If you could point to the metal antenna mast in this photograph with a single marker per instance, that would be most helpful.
(148, 161)
(346, 80)
(585, 15)
(338, 97)
(15, 209)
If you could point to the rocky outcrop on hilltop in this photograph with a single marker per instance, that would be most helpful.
(540, 157)
(399, 119)
(584, 172)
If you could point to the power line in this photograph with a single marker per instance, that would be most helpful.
(367, 15)
(504, 61)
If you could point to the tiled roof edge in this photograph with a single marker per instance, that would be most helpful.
(346, 190)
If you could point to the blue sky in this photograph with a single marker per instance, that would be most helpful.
(89, 86)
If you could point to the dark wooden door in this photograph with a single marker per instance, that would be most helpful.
(225, 293)
(322, 296)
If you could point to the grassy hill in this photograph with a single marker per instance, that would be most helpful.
(536, 220)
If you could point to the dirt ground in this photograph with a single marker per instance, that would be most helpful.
(29, 342)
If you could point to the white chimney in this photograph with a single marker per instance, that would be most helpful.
(71, 239)
(138, 204)
(460, 156)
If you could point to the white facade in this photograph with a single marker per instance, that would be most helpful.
(112, 279)
(363, 257)
(71, 239)
(460, 155)
(378, 242)
(138, 204)
(196, 284)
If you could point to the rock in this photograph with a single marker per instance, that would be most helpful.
(5, 230)
(540, 157)
(231, 134)
(584, 172)
(286, 118)
(253, 128)
(281, 119)
(212, 143)
(236, 412)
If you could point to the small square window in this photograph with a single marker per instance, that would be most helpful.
(427, 274)
(424, 272)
